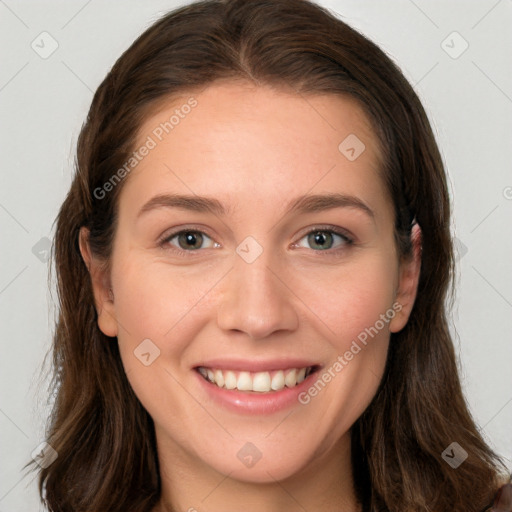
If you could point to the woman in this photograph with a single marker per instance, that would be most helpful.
(253, 261)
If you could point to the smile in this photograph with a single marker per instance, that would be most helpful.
(259, 382)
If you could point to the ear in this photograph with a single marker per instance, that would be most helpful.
(103, 294)
(409, 275)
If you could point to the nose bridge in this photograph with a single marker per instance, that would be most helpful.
(255, 299)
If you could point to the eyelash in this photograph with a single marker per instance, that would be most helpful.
(347, 240)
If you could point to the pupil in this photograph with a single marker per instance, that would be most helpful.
(191, 239)
(320, 238)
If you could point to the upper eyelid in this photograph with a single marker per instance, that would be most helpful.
(334, 229)
(347, 238)
(173, 234)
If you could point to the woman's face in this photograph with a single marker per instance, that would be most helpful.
(253, 288)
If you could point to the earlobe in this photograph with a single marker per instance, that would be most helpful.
(409, 275)
(102, 290)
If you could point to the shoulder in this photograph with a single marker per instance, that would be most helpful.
(502, 499)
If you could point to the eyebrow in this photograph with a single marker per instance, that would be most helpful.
(302, 204)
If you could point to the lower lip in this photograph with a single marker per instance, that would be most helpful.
(251, 402)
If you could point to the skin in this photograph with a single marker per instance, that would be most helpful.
(254, 149)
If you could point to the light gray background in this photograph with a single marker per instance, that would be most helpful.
(44, 101)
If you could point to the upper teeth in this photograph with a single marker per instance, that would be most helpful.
(262, 382)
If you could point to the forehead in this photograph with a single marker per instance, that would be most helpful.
(247, 144)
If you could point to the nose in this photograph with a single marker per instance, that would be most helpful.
(256, 299)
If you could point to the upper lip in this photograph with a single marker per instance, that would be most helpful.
(256, 366)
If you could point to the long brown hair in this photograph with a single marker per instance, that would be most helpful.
(104, 438)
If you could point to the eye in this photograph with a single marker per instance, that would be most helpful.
(188, 240)
(322, 239)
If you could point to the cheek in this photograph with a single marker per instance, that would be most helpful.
(152, 303)
(357, 307)
(351, 298)
(167, 305)
(153, 299)
(353, 307)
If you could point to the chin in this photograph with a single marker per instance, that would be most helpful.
(265, 470)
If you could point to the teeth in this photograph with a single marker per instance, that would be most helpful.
(260, 382)
(229, 380)
(277, 381)
(290, 379)
(219, 378)
(244, 382)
